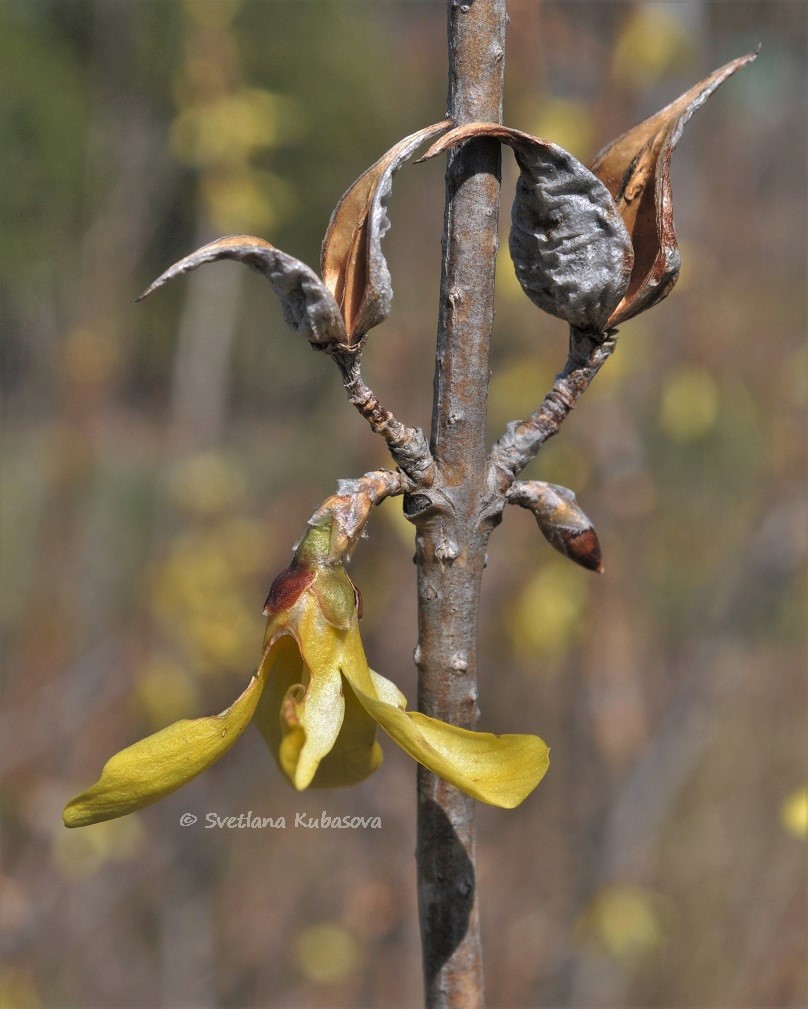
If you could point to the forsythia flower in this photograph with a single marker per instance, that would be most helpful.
(317, 705)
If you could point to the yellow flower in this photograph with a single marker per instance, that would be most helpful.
(317, 705)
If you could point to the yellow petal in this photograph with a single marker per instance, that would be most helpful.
(320, 716)
(284, 669)
(356, 754)
(158, 765)
(387, 691)
(310, 659)
(499, 770)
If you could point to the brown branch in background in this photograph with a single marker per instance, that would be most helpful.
(523, 439)
(407, 445)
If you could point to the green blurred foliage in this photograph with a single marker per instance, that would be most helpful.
(159, 461)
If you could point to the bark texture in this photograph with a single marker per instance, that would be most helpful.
(452, 517)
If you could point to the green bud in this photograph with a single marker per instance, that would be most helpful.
(336, 595)
(313, 550)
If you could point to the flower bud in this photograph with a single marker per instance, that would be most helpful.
(561, 520)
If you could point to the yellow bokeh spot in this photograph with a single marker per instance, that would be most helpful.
(224, 639)
(549, 610)
(565, 122)
(196, 577)
(327, 952)
(18, 991)
(653, 42)
(79, 854)
(240, 199)
(517, 388)
(208, 483)
(233, 127)
(204, 594)
(794, 813)
(689, 406)
(165, 691)
(508, 286)
(625, 921)
(565, 463)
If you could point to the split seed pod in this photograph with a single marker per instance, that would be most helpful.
(596, 246)
(636, 169)
(351, 260)
(356, 291)
(570, 249)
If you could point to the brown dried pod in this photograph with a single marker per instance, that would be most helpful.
(351, 260)
(308, 306)
(561, 520)
(635, 168)
(357, 292)
(570, 249)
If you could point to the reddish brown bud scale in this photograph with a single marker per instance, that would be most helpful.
(287, 588)
(584, 549)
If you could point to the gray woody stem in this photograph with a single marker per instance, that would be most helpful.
(452, 520)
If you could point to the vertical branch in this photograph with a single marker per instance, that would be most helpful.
(451, 520)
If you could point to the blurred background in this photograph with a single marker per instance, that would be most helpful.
(159, 460)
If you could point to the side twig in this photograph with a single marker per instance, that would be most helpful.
(523, 439)
(352, 504)
(408, 445)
